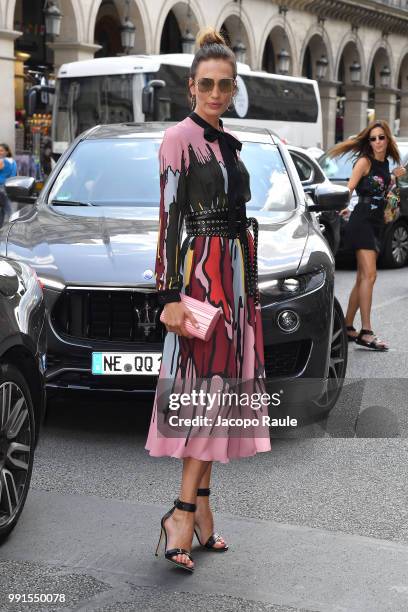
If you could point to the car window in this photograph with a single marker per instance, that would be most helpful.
(304, 169)
(340, 167)
(125, 172)
(271, 188)
(337, 167)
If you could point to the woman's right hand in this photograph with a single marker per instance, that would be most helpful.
(175, 314)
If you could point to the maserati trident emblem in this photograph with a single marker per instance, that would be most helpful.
(147, 317)
(148, 274)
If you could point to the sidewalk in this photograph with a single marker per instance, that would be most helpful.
(103, 554)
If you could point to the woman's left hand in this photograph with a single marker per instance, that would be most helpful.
(400, 171)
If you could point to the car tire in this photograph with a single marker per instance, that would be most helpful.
(16, 462)
(337, 364)
(395, 250)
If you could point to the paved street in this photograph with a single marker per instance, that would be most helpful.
(318, 524)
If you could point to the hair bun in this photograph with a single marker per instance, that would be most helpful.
(209, 36)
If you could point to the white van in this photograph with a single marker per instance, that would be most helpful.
(135, 88)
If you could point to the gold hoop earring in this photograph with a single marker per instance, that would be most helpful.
(193, 102)
(231, 105)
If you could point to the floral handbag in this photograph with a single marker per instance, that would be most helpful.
(392, 203)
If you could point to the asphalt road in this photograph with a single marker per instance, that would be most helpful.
(318, 524)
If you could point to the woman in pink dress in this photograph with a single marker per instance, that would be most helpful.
(204, 186)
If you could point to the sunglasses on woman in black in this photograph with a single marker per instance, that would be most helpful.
(374, 138)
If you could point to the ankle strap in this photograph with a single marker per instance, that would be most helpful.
(181, 505)
(203, 492)
(366, 332)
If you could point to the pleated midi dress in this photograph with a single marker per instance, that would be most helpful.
(196, 176)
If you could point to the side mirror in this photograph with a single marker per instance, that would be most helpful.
(150, 101)
(330, 197)
(147, 100)
(38, 93)
(20, 189)
(32, 101)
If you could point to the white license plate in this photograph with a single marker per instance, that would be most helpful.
(126, 363)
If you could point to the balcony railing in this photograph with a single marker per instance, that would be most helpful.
(399, 4)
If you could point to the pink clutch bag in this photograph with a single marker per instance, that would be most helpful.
(206, 315)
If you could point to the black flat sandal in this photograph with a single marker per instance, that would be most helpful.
(374, 344)
(215, 537)
(350, 328)
(187, 507)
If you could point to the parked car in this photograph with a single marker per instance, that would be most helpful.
(394, 244)
(92, 237)
(22, 399)
(311, 175)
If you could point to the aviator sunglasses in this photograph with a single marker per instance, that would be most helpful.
(374, 138)
(205, 85)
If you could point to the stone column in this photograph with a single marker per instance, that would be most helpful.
(355, 111)
(385, 105)
(328, 99)
(65, 52)
(403, 133)
(7, 98)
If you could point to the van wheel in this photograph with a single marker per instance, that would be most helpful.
(395, 252)
(16, 446)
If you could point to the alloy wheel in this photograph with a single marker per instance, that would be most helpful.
(399, 245)
(338, 360)
(15, 450)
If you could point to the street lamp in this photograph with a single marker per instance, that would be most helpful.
(284, 55)
(385, 75)
(283, 61)
(127, 32)
(53, 18)
(188, 42)
(355, 72)
(321, 70)
(239, 48)
(240, 51)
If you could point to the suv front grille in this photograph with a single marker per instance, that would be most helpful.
(286, 359)
(123, 315)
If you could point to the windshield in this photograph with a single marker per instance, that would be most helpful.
(125, 172)
(83, 102)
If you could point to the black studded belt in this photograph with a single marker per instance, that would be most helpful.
(215, 223)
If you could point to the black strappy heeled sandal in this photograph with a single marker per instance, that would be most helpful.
(215, 537)
(373, 344)
(350, 328)
(187, 507)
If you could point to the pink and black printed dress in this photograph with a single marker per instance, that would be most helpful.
(204, 188)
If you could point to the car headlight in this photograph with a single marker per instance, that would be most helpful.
(288, 288)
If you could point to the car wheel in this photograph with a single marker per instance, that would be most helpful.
(16, 446)
(395, 253)
(338, 361)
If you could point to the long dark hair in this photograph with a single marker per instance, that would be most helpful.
(212, 45)
(7, 149)
(360, 144)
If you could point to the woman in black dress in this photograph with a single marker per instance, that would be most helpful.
(371, 179)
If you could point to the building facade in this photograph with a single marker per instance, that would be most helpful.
(357, 50)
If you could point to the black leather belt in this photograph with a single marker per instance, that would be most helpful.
(369, 199)
(216, 223)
